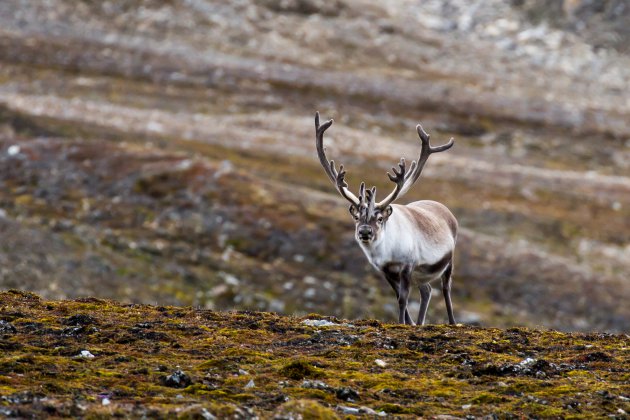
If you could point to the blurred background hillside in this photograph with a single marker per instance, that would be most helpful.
(162, 151)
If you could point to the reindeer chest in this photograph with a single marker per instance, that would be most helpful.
(388, 253)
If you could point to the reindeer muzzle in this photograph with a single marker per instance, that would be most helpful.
(365, 233)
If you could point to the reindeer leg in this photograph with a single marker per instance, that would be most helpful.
(446, 290)
(393, 278)
(425, 297)
(403, 295)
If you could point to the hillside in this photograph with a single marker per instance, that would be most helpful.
(96, 358)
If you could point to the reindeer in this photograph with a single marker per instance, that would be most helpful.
(401, 240)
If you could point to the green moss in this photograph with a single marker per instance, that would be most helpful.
(544, 411)
(199, 389)
(107, 373)
(486, 398)
(429, 372)
(307, 410)
(6, 390)
(316, 394)
(394, 409)
(300, 369)
(218, 394)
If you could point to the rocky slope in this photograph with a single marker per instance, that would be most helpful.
(96, 358)
(161, 151)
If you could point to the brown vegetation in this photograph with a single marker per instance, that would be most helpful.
(95, 358)
(167, 156)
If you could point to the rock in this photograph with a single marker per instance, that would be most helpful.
(527, 367)
(319, 323)
(207, 415)
(85, 354)
(177, 379)
(196, 412)
(7, 327)
(348, 410)
(250, 384)
(360, 411)
(13, 150)
(305, 7)
(324, 323)
(347, 394)
(316, 385)
(380, 363)
(77, 331)
(7, 412)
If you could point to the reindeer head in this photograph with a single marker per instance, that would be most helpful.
(371, 216)
(368, 218)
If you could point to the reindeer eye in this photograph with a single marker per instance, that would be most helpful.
(379, 218)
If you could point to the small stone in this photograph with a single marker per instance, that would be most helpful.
(288, 285)
(324, 323)
(310, 280)
(250, 384)
(527, 362)
(370, 412)
(309, 293)
(347, 394)
(207, 415)
(79, 320)
(243, 372)
(319, 323)
(225, 168)
(177, 379)
(7, 327)
(380, 363)
(466, 406)
(348, 410)
(229, 279)
(106, 401)
(155, 127)
(360, 411)
(13, 150)
(86, 354)
(316, 385)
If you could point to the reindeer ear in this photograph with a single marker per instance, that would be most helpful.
(387, 212)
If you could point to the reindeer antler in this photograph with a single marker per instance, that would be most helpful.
(337, 178)
(405, 181)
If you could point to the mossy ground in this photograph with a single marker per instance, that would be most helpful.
(244, 364)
